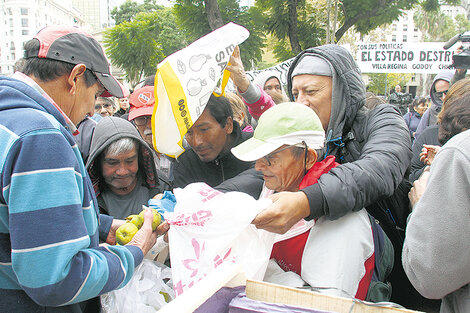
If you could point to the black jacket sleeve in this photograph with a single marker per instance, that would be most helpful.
(250, 182)
(373, 175)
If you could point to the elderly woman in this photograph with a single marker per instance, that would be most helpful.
(336, 255)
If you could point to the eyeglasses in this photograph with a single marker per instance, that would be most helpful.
(271, 161)
(142, 120)
(440, 94)
(98, 107)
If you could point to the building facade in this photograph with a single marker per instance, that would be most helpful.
(20, 20)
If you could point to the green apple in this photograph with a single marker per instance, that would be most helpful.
(157, 218)
(135, 219)
(125, 232)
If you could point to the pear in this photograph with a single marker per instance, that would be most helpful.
(125, 232)
(157, 218)
(136, 220)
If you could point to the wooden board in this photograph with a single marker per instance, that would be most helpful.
(267, 292)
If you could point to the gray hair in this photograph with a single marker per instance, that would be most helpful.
(121, 145)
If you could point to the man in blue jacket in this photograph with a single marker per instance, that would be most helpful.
(50, 229)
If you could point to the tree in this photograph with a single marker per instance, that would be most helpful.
(129, 9)
(297, 24)
(138, 46)
(378, 82)
(435, 25)
(198, 17)
(366, 15)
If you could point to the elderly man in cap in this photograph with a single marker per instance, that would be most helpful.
(50, 227)
(373, 148)
(142, 102)
(336, 254)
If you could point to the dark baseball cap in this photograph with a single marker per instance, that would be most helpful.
(72, 45)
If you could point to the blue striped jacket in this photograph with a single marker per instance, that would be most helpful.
(49, 223)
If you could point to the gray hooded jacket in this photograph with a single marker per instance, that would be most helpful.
(373, 146)
(430, 116)
(108, 130)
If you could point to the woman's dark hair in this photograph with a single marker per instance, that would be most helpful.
(220, 109)
(48, 69)
(455, 119)
(417, 101)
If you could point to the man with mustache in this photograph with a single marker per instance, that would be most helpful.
(142, 102)
(122, 168)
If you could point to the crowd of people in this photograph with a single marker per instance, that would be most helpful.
(359, 189)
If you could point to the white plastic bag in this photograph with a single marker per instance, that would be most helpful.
(184, 82)
(209, 228)
(145, 292)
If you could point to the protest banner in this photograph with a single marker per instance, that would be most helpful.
(404, 57)
(184, 82)
(282, 68)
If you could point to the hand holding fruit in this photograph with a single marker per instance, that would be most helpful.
(146, 236)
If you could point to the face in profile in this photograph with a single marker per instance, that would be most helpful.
(314, 91)
(282, 171)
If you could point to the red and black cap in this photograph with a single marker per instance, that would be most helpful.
(72, 45)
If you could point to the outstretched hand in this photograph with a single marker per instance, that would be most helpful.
(237, 71)
(286, 210)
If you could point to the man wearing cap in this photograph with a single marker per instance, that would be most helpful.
(338, 254)
(50, 227)
(373, 148)
(142, 102)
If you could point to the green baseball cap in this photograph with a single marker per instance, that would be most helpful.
(287, 123)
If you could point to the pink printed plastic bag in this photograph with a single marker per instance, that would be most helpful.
(209, 228)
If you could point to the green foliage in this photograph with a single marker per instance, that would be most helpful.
(462, 24)
(366, 15)
(138, 46)
(191, 17)
(377, 82)
(129, 9)
(310, 25)
(435, 25)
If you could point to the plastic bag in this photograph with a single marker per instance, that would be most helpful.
(209, 228)
(184, 82)
(147, 291)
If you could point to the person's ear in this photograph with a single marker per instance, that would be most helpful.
(78, 72)
(229, 125)
(312, 157)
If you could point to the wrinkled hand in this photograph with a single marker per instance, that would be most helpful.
(428, 153)
(111, 239)
(145, 238)
(419, 185)
(287, 209)
(237, 72)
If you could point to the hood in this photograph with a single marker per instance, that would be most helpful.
(444, 75)
(266, 75)
(348, 89)
(25, 96)
(108, 130)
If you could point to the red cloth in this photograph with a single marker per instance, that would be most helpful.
(288, 253)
